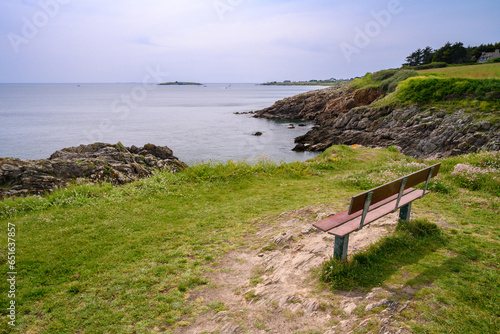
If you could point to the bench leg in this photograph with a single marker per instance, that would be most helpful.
(404, 212)
(340, 247)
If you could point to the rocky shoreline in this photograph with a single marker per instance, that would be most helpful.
(86, 163)
(345, 116)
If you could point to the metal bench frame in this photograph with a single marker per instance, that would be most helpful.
(374, 204)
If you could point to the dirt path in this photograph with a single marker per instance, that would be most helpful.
(269, 288)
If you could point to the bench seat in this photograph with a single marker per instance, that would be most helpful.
(340, 218)
(352, 225)
(374, 204)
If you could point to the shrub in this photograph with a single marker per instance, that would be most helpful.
(391, 83)
(432, 89)
(429, 66)
(386, 80)
(384, 74)
(477, 178)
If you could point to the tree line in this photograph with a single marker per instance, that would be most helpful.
(449, 53)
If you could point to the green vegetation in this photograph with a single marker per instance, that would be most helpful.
(479, 71)
(473, 88)
(373, 266)
(454, 270)
(98, 258)
(432, 89)
(429, 66)
(180, 83)
(449, 53)
(386, 80)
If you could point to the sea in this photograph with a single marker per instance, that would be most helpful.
(199, 123)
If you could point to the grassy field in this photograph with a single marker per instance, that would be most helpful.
(480, 71)
(104, 259)
(473, 88)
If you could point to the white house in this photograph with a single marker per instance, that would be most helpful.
(489, 55)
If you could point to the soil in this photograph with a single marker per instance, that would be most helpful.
(270, 285)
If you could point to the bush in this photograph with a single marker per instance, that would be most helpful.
(477, 178)
(386, 80)
(391, 83)
(432, 89)
(384, 74)
(429, 66)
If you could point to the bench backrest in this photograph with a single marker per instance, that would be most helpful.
(392, 188)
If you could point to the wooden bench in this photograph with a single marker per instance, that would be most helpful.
(374, 204)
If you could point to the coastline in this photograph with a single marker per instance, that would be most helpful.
(96, 162)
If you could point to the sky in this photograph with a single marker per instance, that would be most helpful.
(227, 41)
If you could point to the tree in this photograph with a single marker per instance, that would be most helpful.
(419, 57)
(449, 53)
(458, 54)
(415, 58)
(427, 55)
(442, 54)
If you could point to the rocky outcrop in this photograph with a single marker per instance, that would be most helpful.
(319, 105)
(419, 133)
(344, 116)
(95, 162)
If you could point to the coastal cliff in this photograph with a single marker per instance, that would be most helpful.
(346, 116)
(95, 162)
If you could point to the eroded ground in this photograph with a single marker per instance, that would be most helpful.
(270, 287)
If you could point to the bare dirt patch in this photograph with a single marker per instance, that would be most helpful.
(269, 286)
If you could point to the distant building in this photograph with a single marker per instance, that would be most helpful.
(488, 56)
(287, 81)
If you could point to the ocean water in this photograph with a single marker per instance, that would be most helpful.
(197, 122)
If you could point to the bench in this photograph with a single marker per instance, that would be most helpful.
(374, 204)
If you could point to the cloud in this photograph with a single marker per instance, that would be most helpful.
(248, 41)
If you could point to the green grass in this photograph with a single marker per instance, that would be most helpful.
(372, 266)
(473, 88)
(386, 80)
(480, 71)
(104, 259)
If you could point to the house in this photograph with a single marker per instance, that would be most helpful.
(488, 56)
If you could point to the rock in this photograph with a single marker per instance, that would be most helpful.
(258, 133)
(311, 306)
(244, 112)
(230, 329)
(282, 238)
(349, 308)
(371, 306)
(94, 162)
(343, 116)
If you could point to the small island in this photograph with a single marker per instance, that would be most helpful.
(180, 83)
